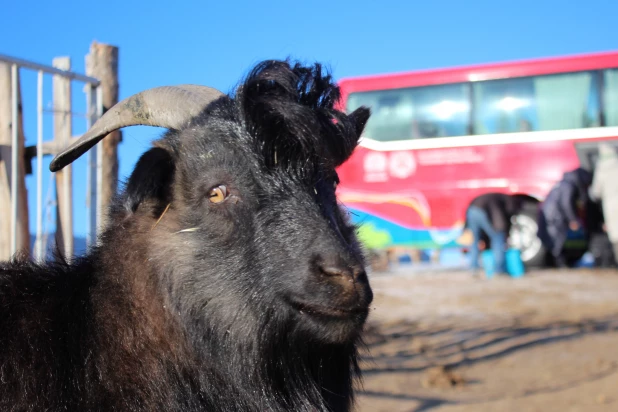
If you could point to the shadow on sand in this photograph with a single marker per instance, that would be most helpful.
(454, 346)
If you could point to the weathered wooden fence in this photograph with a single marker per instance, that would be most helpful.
(101, 89)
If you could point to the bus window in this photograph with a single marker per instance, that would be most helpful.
(415, 113)
(610, 82)
(555, 102)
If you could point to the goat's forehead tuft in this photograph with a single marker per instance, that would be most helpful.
(289, 111)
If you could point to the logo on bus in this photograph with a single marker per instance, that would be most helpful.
(402, 164)
(379, 166)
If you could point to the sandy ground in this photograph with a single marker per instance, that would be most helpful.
(450, 342)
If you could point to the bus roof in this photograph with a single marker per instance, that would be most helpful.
(519, 68)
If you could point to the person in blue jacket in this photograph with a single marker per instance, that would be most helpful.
(491, 214)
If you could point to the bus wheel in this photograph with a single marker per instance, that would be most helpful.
(523, 236)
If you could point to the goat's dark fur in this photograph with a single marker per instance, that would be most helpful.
(237, 313)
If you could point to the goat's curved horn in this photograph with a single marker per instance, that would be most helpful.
(168, 106)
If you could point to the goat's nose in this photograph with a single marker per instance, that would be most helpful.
(344, 279)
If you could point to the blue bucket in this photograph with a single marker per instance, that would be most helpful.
(514, 265)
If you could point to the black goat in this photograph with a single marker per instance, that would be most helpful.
(227, 279)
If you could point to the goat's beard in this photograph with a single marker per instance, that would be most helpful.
(268, 350)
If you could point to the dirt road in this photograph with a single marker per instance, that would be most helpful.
(449, 342)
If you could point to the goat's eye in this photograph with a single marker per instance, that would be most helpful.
(217, 194)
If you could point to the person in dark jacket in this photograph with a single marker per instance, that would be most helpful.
(491, 213)
(560, 212)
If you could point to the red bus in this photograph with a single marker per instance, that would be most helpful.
(436, 139)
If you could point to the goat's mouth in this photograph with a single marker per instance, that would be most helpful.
(331, 312)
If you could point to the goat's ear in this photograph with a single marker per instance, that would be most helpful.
(150, 180)
(359, 118)
(355, 124)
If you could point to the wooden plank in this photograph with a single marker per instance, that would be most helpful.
(102, 63)
(23, 234)
(64, 178)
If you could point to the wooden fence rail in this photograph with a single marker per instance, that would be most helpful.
(15, 158)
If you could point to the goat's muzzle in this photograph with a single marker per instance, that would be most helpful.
(337, 295)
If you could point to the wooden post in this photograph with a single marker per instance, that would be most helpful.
(23, 233)
(64, 178)
(102, 63)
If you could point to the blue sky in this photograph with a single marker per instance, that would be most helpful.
(216, 43)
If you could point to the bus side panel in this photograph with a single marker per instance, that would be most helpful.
(418, 198)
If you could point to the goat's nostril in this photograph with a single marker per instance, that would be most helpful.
(359, 273)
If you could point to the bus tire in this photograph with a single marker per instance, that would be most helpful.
(523, 236)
